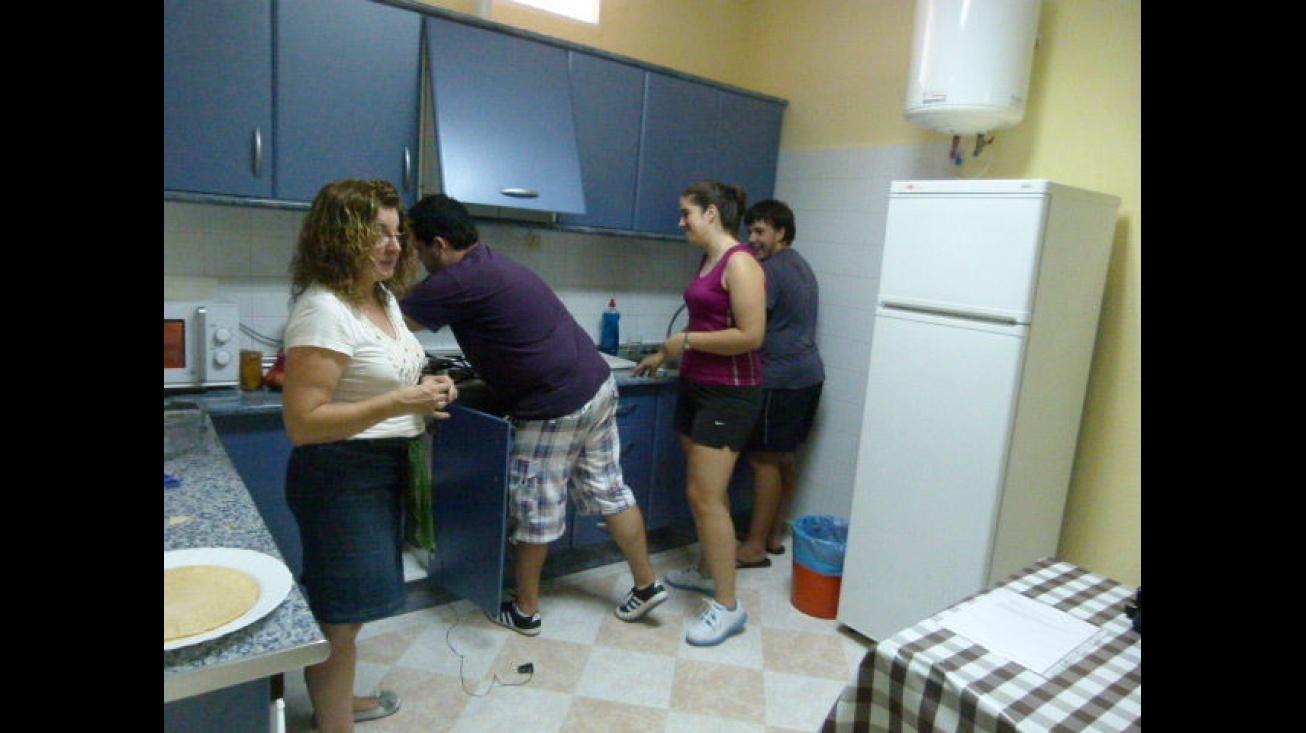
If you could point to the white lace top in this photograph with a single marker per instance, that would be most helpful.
(377, 363)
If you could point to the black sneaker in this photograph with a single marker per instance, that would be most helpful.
(510, 617)
(640, 601)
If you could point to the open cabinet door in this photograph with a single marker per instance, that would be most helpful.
(469, 478)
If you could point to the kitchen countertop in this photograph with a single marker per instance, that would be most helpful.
(473, 393)
(212, 508)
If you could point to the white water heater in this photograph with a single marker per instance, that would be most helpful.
(970, 64)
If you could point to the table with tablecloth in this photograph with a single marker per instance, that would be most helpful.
(928, 678)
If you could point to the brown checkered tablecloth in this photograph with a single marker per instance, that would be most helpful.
(926, 678)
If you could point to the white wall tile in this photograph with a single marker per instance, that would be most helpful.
(248, 252)
(183, 253)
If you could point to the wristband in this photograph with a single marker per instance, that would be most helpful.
(684, 346)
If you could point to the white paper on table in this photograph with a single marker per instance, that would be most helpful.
(1029, 633)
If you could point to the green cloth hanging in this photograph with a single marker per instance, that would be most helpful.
(419, 527)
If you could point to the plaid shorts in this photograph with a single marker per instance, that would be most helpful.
(577, 455)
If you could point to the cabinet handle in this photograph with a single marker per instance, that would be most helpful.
(258, 152)
(408, 169)
(520, 193)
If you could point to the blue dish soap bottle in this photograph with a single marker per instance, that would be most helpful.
(610, 335)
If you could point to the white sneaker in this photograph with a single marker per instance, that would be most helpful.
(717, 624)
(691, 578)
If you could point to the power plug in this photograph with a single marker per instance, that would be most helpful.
(527, 668)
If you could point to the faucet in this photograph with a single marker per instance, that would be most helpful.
(671, 323)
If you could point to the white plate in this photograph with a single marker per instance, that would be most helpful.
(274, 581)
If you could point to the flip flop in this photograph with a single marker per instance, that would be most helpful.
(763, 563)
(776, 550)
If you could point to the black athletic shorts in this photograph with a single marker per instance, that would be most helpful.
(717, 416)
(786, 419)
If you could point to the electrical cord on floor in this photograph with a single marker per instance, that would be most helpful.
(527, 669)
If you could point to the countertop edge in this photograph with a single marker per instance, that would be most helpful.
(212, 507)
(181, 686)
(225, 401)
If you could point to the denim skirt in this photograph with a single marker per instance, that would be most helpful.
(348, 499)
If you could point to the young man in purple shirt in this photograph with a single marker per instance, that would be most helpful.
(554, 385)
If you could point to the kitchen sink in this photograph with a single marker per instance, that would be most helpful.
(618, 362)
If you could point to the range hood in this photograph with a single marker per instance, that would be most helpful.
(497, 131)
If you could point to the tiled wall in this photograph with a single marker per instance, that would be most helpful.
(839, 198)
(241, 255)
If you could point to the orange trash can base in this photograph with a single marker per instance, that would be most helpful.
(815, 594)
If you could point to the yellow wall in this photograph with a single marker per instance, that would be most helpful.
(843, 64)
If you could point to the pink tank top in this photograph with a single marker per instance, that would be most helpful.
(709, 310)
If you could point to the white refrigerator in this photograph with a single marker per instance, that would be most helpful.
(988, 308)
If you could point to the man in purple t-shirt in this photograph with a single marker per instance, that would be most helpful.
(556, 388)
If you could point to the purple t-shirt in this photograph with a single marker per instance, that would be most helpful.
(515, 331)
(709, 310)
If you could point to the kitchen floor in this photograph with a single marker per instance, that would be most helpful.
(456, 670)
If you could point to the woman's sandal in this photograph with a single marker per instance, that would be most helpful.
(388, 705)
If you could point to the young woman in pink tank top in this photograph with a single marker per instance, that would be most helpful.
(720, 393)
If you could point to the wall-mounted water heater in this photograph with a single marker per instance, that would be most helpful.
(970, 64)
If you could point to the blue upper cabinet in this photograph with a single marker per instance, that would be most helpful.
(748, 144)
(694, 132)
(679, 148)
(505, 130)
(217, 97)
(345, 77)
(608, 99)
(269, 100)
(348, 81)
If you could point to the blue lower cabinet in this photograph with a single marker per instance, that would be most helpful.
(245, 707)
(260, 449)
(469, 492)
(636, 420)
(469, 472)
(667, 504)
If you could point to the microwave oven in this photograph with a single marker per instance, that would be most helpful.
(199, 344)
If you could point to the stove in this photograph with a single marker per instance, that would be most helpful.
(455, 367)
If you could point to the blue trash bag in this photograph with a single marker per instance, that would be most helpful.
(820, 543)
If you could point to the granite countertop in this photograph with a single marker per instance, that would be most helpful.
(472, 393)
(212, 508)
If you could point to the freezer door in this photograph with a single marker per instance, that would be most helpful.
(940, 404)
(964, 253)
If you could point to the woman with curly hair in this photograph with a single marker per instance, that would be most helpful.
(355, 408)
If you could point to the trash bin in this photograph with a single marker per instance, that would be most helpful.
(820, 542)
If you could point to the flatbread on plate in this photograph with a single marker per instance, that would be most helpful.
(199, 598)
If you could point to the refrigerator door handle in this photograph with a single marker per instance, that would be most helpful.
(950, 313)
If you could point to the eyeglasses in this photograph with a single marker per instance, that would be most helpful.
(383, 238)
